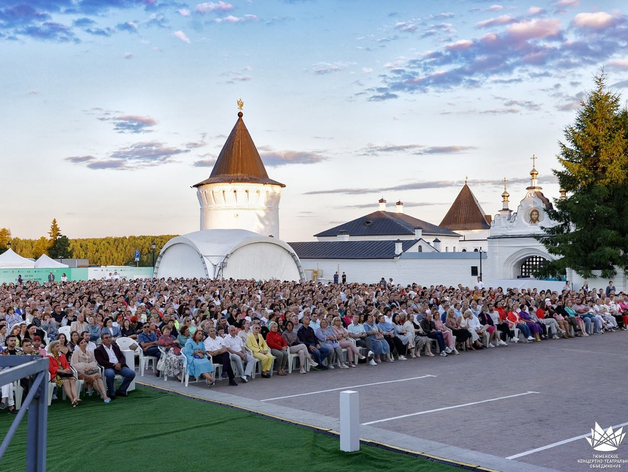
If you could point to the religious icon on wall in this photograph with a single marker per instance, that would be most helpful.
(534, 216)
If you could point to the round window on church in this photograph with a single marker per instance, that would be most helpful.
(531, 266)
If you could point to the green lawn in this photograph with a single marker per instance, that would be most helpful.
(156, 431)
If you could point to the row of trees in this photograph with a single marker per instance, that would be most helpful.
(98, 251)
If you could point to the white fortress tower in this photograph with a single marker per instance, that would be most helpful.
(239, 194)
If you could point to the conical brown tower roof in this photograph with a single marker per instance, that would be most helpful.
(465, 213)
(239, 160)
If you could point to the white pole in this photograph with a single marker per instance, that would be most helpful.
(349, 421)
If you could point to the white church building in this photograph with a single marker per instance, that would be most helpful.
(239, 235)
(467, 244)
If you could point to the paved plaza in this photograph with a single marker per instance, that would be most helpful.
(524, 407)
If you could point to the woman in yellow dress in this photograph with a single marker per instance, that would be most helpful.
(256, 343)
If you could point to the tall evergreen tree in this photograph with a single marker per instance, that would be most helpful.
(54, 232)
(592, 229)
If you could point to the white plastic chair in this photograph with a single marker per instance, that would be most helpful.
(125, 345)
(258, 364)
(186, 375)
(145, 361)
(291, 361)
(66, 330)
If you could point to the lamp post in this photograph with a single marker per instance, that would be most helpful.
(481, 264)
(153, 246)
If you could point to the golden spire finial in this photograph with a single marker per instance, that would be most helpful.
(240, 104)
(505, 181)
(466, 179)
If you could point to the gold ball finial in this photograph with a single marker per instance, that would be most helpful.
(240, 104)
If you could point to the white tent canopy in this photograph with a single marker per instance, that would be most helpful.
(45, 262)
(226, 253)
(11, 260)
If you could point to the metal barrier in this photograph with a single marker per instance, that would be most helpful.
(36, 402)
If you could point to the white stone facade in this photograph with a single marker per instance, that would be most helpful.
(425, 269)
(249, 206)
(512, 235)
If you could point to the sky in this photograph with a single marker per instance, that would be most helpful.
(110, 110)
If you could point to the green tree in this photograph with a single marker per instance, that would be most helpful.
(592, 221)
(60, 249)
(54, 232)
(5, 237)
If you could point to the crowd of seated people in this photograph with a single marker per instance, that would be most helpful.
(195, 324)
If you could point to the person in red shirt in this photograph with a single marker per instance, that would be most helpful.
(278, 348)
(61, 373)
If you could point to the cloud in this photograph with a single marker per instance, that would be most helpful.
(459, 45)
(135, 156)
(535, 11)
(184, 12)
(406, 27)
(128, 55)
(21, 15)
(197, 144)
(596, 21)
(181, 35)
(429, 185)
(133, 124)
(415, 149)
(205, 162)
(99, 31)
(499, 111)
(237, 19)
(526, 46)
(83, 22)
(567, 3)
(323, 68)
(128, 26)
(211, 7)
(380, 97)
(49, 31)
(280, 158)
(622, 84)
(500, 20)
(80, 159)
(125, 123)
(618, 64)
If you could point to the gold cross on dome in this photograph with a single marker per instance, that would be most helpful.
(240, 104)
(505, 181)
(534, 158)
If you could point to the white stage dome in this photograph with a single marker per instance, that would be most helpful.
(228, 253)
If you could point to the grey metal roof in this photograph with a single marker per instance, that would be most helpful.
(386, 223)
(349, 249)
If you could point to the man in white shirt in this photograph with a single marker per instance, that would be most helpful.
(214, 346)
(479, 284)
(239, 354)
(109, 355)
